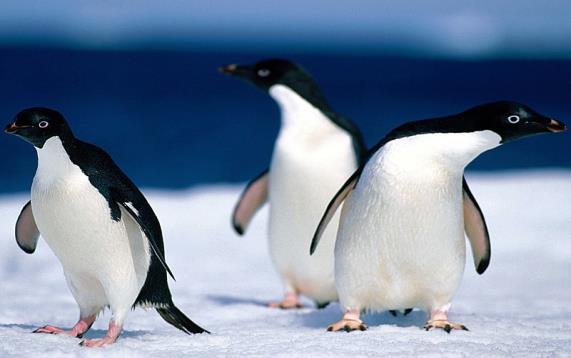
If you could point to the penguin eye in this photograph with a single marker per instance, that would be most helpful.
(43, 124)
(513, 119)
(264, 72)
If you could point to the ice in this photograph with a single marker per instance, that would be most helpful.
(520, 306)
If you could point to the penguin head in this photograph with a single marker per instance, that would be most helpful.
(266, 73)
(510, 120)
(37, 125)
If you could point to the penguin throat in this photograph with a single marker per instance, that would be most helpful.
(53, 160)
(298, 112)
(449, 151)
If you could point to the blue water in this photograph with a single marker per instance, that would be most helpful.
(170, 120)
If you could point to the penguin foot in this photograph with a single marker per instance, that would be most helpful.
(77, 331)
(112, 334)
(51, 330)
(285, 305)
(290, 301)
(445, 325)
(97, 342)
(347, 325)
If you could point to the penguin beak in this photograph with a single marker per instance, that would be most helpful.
(12, 128)
(234, 70)
(556, 126)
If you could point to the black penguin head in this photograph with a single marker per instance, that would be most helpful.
(510, 120)
(266, 73)
(37, 125)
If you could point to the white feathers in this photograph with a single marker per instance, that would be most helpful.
(105, 262)
(130, 206)
(401, 236)
(312, 158)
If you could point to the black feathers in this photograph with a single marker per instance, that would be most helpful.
(175, 317)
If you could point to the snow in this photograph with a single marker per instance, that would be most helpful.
(520, 306)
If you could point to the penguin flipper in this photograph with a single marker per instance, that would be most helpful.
(252, 199)
(154, 237)
(332, 208)
(27, 233)
(476, 230)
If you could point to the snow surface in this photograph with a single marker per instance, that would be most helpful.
(520, 306)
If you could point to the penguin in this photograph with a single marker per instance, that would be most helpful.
(400, 241)
(316, 150)
(98, 224)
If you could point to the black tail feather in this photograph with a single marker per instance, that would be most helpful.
(174, 316)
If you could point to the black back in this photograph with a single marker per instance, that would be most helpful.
(117, 188)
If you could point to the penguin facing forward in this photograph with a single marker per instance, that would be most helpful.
(98, 224)
(315, 152)
(400, 241)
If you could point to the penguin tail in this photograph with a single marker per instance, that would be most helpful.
(175, 317)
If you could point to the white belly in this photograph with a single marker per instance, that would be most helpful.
(401, 237)
(308, 166)
(97, 253)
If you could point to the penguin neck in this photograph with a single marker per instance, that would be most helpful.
(438, 152)
(298, 114)
(53, 159)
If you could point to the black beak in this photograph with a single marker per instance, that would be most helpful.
(556, 126)
(11, 128)
(235, 70)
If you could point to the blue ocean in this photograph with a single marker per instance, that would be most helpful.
(171, 120)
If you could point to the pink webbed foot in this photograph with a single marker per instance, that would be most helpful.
(290, 301)
(350, 322)
(51, 330)
(111, 337)
(98, 342)
(77, 331)
(439, 319)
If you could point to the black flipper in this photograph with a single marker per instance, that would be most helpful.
(476, 230)
(407, 311)
(332, 208)
(27, 233)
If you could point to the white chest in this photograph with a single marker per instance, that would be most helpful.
(308, 141)
(70, 213)
(401, 234)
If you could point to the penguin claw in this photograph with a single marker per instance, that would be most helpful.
(49, 330)
(347, 325)
(393, 312)
(444, 325)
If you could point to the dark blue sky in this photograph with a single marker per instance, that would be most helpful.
(141, 81)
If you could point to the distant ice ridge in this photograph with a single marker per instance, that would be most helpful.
(447, 28)
(519, 307)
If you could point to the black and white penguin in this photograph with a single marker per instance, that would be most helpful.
(400, 241)
(98, 224)
(315, 152)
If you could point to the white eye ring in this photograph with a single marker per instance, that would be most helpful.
(43, 124)
(263, 72)
(513, 119)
